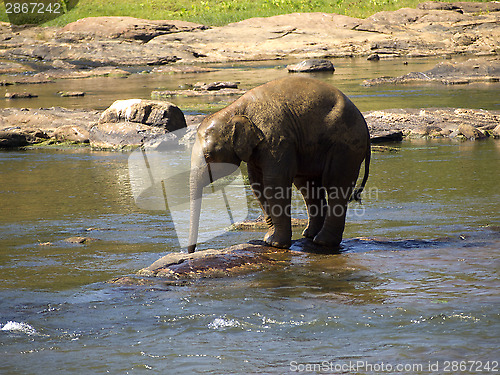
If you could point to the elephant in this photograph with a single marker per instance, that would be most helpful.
(293, 130)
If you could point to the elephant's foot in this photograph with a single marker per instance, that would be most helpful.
(273, 239)
(311, 231)
(327, 240)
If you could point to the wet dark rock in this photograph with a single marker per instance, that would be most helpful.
(386, 136)
(20, 95)
(231, 261)
(12, 139)
(373, 57)
(215, 86)
(25, 127)
(312, 66)
(485, 69)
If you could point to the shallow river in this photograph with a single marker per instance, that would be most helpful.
(415, 289)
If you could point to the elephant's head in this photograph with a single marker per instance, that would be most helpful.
(219, 142)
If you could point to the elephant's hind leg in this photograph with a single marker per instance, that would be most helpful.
(314, 197)
(339, 179)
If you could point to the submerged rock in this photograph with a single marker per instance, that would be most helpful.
(20, 95)
(80, 240)
(231, 261)
(215, 86)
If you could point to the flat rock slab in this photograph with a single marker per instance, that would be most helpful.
(485, 69)
(231, 261)
(433, 123)
(195, 93)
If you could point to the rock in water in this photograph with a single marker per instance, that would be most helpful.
(234, 260)
(130, 123)
(148, 112)
(12, 139)
(311, 66)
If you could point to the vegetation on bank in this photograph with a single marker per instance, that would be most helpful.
(218, 12)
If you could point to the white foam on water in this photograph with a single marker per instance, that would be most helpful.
(12, 326)
(223, 323)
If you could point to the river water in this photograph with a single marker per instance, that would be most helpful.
(414, 290)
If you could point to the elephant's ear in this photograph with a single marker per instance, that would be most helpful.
(246, 136)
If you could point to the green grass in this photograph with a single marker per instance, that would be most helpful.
(222, 12)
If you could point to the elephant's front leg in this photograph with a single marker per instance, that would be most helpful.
(277, 193)
(257, 185)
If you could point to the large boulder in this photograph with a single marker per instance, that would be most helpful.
(133, 122)
(148, 112)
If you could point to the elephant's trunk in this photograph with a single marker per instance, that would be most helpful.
(202, 174)
(198, 179)
(196, 190)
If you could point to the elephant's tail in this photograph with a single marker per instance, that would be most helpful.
(356, 195)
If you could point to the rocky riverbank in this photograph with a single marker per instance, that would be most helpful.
(433, 29)
(146, 120)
